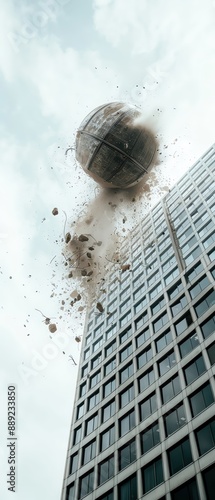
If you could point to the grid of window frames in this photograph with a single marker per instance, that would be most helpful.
(157, 340)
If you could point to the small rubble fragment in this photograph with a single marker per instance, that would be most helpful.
(100, 307)
(67, 237)
(52, 328)
(125, 267)
(55, 211)
(82, 237)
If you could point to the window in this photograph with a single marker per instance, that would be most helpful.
(83, 389)
(111, 317)
(107, 438)
(125, 304)
(197, 289)
(185, 235)
(175, 290)
(211, 353)
(110, 348)
(170, 389)
(146, 380)
(86, 353)
(163, 341)
(160, 322)
(127, 454)
(144, 357)
(204, 304)
(209, 481)
(70, 492)
(95, 379)
(194, 370)
(138, 292)
(126, 396)
(141, 320)
(125, 352)
(96, 361)
(106, 470)
(73, 463)
(142, 337)
(148, 407)
(153, 278)
(111, 332)
(183, 323)
(109, 367)
(108, 410)
(188, 344)
(205, 437)
(208, 241)
(192, 256)
(211, 255)
(80, 411)
(107, 496)
(178, 305)
(140, 305)
(124, 293)
(175, 419)
(188, 491)
(208, 327)
(89, 452)
(109, 387)
(168, 263)
(152, 475)
(201, 399)
(188, 245)
(77, 435)
(125, 334)
(99, 328)
(91, 424)
(86, 484)
(93, 400)
(84, 371)
(128, 489)
(155, 291)
(158, 305)
(171, 276)
(204, 230)
(179, 456)
(191, 275)
(126, 372)
(150, 438)
(167, 363)
(125, 319)
(126, 423)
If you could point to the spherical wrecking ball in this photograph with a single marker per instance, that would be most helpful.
(114, 147)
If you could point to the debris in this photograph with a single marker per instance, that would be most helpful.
(125, 267)
(82, 237)
(47, 321)
(70, 275)
(99, 306)
(78, 338)
(52, 328)
(89, 255)
(55, 211)
(83, 272)
(67, 237)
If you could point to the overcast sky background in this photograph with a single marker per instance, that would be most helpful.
(58, 60)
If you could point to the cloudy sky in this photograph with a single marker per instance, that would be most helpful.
(58, 60)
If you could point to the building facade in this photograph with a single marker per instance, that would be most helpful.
(143, 423)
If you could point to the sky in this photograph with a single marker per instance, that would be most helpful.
(59, 59)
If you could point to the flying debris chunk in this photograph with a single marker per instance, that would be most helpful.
(47, 321)
(67, 237)
(52, 328)
(78, 338)
(83, 272)
(70, 275)
(100, 307)
(82, 237)
(125, 267)
(55, 211)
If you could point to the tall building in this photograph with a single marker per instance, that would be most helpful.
(143, 424)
